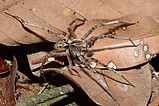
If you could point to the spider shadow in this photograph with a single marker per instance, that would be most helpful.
(78, 74)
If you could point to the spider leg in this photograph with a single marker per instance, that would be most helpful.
(69, 59)
(87, 64)
(42, 65)
(70, 67)
(92, 39)
(104, 84)
(71, 30)
(45, 58)
(102, 24)
(25, 24)
(98, 62)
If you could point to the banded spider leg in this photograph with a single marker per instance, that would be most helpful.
(71, 30)
(84, 61)
(102, 24)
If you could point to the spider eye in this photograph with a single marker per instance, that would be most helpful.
(112, 31)
(59, 46)
(123, 27)
(64, 40)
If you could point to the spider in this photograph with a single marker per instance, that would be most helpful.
(79, 48)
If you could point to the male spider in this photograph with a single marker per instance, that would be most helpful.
(79, 49)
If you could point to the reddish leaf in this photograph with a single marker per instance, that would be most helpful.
(4, 67)
(7, 83)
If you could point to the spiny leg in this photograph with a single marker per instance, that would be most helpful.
(87, 64)
(98, 62)
(70, 30)
(104, 84)
(70, 67)
(69, 59)
(42, 65)
(102, 24)
(25, 23)
(51, 54)
(92, 39)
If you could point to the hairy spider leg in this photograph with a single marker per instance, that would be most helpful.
(87, 64)
(23, 22)
(70, 30)
(51, 54)
(69, 59)
(42, 65)
(98, 62)
(102, 24)
(92, 39)
(104, 84)
(70, 67)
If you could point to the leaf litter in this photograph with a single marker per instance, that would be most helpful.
(34, 39)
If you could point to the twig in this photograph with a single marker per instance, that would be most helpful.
(46, 84)
(43, 97)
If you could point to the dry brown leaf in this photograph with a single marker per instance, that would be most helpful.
(57, 14)
(155, 89)
(25, 10)
(110, 9)
(155, 102)
(121, 52)
(28, 11)
(141, 78)
(125, 95)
